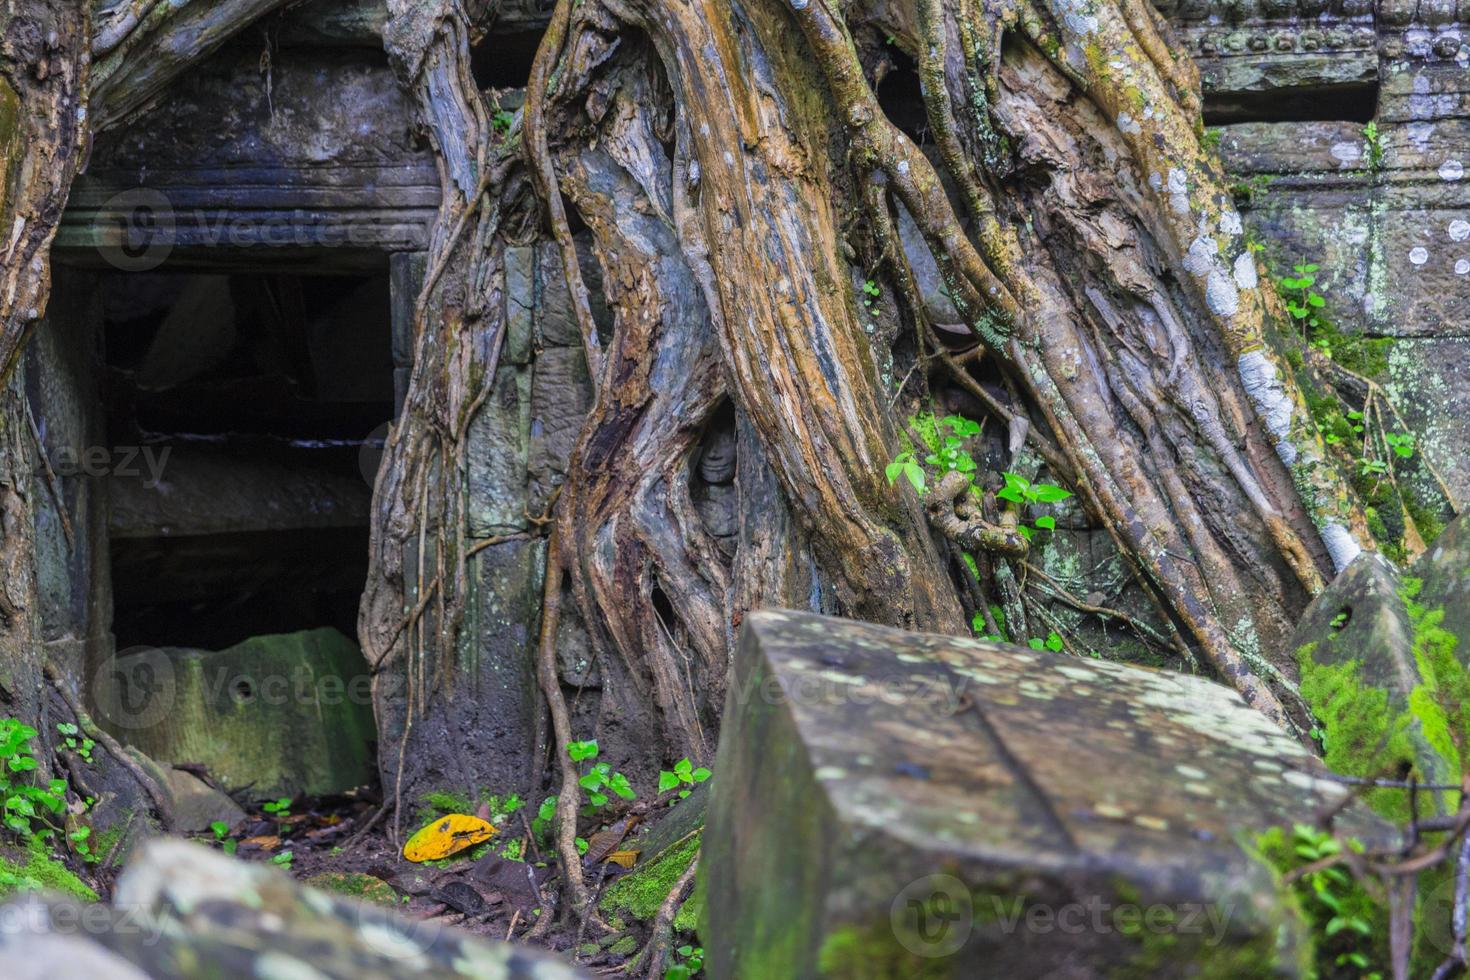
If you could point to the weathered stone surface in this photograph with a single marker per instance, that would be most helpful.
(560, 397)
(183, 911)
(477, 731)
(318, 151)
(893, 804)
(1387, 222)
(275, 715)
(196, 804)
(1383, 667)
(498, 445)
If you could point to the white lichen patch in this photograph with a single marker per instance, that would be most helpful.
(1341, 546)
(1459, 230)
(1245, 271)
(1268, 394)
(1127, 124)
(1418, 255)
(1221, 294)
(1201, 257)
(1179, 191)
(1451, 170)
(1347, 154)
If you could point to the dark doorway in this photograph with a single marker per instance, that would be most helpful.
(249, 403)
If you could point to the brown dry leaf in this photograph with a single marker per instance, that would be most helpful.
(604, 842)
(266, 842)
(446, 836)
(625, 859)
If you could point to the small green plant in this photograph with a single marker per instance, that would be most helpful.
(1053, 642)
(1302, 300)
(1210, 140)
(1336, 904)
(280, 809)
(684, 774)
(1019, 490)
(79, 844)
(221, 831)
(25, 804)
(283, 859)
(1246, 191)
(1402, 443)
(73, 739)
(1374, 141)
(502, 120)
(945, 439)
(906, 464)
(541, 823)
(599, 776)
(688, 960)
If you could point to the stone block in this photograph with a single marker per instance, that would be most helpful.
(1383, 668)
(276, 715)
(899, 804)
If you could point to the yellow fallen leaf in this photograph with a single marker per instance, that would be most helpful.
(626, 858)
(446, 836)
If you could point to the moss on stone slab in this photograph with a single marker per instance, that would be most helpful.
(34, 869)
(640, 892)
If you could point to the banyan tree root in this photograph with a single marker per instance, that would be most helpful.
(953, 512)
(156, 793)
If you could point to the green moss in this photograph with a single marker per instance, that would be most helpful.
(34, 869)
(106, 843)
(1364, 735)
(640, 892)
(1427, 521)
(438, 803)
(625, 946)
(874, 953)
(353, 884)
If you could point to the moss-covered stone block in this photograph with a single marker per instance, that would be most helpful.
(896, 804)
(276, 715)
(1383, 669)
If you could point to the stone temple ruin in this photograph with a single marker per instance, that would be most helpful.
(229, 334)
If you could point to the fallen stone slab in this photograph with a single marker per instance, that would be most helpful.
(183, 911)
(1383, 654)
(275, 715)
(197, 805)
(891, 804)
